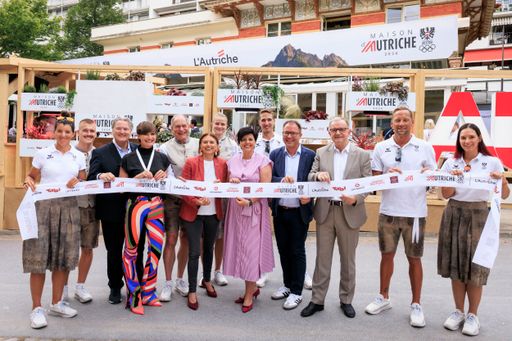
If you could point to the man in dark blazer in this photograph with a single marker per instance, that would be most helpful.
(111, 208)
(337, 218)
(292, 163)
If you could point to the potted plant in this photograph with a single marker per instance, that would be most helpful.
(271, 95)
(314, 115)
(364, 140)
(396, 88)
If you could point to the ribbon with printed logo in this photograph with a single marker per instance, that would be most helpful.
(27, 219)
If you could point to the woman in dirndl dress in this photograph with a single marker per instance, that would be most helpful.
(57, 246)
(462, 224)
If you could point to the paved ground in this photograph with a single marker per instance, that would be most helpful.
(221, 319)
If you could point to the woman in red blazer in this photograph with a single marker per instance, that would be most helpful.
(201, 216)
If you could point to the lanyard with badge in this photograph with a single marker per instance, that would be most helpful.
(148, 167)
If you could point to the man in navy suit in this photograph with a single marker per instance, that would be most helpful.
(292, 163)
(111, 208)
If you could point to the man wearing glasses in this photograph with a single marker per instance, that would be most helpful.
(338, 217)
(292, 216)
(402, 211)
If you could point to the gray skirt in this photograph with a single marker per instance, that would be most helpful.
(58, 242)
(461, 226)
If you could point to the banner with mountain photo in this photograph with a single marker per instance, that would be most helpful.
(418, 40)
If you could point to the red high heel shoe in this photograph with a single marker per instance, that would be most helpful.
(247, 308)
(138, 310)
(194, 305)
(212, 293)
(255, 295)
(153, 303)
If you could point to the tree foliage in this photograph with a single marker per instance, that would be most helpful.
(26, 30)
(79, 21)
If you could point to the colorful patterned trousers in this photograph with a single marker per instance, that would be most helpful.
(143, 215)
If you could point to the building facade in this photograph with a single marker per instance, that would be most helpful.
(174, 23)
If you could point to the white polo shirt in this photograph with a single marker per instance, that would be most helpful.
(274, 143)
(480, 164)
(415, 155)
(57, 167)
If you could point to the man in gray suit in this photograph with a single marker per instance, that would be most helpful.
(337, 218)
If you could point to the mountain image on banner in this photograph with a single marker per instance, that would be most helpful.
(291, 57)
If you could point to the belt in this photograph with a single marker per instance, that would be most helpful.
(287, 208)
(336, 203)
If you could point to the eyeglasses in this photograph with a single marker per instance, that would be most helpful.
(290, 133)
(467, 168)
(398, 155)
(338, 130)
(267, 147)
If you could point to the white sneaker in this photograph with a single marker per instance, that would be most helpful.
(378, 305)
(471, 325)
(166, 294)
(417, 319)
(62, 309)
(292, 302)
(220, 279)
(38, 318)
(454, 321)
(181, 287)
(281, 293)
(82, 295)
(262, 281)
(308, 282)
(65, 294)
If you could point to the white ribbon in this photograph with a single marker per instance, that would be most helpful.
(416, 230)
(148, 167)
(485, 254)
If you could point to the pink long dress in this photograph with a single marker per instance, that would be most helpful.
(247, 236)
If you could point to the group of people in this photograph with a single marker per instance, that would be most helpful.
(237, 232)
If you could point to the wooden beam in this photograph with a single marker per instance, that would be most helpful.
(216, 79)
(236, 15)
(316, 7)
(261, 11)
(4, 119)
(417, 85)
(209, 89)
(291, 5)
(18, 167)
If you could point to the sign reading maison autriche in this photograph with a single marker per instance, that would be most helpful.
(240, 98)
(426, 39)
(374, 101)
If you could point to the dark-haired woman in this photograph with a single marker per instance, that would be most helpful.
(247, 236)
(57, 246)
(144, 215)
(201, 215)
(462, 224)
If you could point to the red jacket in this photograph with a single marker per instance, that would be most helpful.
(194, 170)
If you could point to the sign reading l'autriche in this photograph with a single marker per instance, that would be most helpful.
(418, 40)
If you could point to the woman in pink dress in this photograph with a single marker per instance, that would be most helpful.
(247, 236)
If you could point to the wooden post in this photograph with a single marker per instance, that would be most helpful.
(214, 86)
(418, 86)
(4, 119)
(18, 168)
(208, 92)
